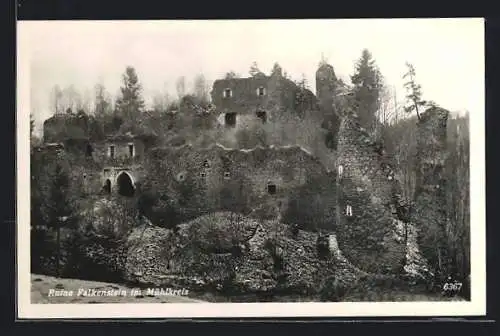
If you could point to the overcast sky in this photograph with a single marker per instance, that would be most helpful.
(448, 54)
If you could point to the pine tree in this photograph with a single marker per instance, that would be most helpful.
(130, 104)
(60, 210)
(414, 96)
(368, 83)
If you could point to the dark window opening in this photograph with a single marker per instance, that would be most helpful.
(262, 115)
(112, 152)
(202, 174)
(261, 91)
(227, 93)
(227, 175)
(88, 150)
(107, 187)
(131, 150)
(230, 119)
(84, 175)
(271, 188)
(206, 164)
(125, 186)
(331, 141)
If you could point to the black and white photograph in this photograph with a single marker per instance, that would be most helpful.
(250, 168)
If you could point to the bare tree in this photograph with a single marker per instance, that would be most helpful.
(180, 86)
(201, 88)
(230, 75)
(56, 99)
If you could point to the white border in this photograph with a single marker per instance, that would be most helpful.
(476, 307)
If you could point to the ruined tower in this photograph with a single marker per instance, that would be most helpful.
(326, 86)
(370, 231)
(430, 215)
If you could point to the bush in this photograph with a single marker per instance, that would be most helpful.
(43, 252)
(332, 290)
(322, 247)
(94, 257)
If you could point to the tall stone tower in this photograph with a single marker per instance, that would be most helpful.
(430, 214)
(326, 85)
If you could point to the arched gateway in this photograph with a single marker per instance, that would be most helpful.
(125, 184)
(118, 180)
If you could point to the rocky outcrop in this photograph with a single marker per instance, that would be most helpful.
(230, 252)
(429, 213)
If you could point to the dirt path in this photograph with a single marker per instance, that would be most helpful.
(80, 291)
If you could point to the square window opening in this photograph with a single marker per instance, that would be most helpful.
(271, 188)
(230, 119)
(262, 115)
(228, 93)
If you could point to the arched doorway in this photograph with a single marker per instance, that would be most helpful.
(125, 185)
(107, 187)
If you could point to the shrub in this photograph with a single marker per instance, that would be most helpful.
(332, 290)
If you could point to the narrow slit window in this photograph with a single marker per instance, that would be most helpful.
(131, 151)
(112, 151)
(348, 211)
(261, 91)
(228, 93)
(89, 150)
(271, 188)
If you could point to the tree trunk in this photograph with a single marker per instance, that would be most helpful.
(58, 246)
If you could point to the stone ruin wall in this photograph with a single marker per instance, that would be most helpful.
(366, 215)
(260, 181)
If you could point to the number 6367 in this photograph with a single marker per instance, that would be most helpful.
(455, 286)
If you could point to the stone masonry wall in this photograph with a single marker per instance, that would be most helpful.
(262, 181)
(367, 213)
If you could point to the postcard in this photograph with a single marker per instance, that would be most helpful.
(250, 168)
